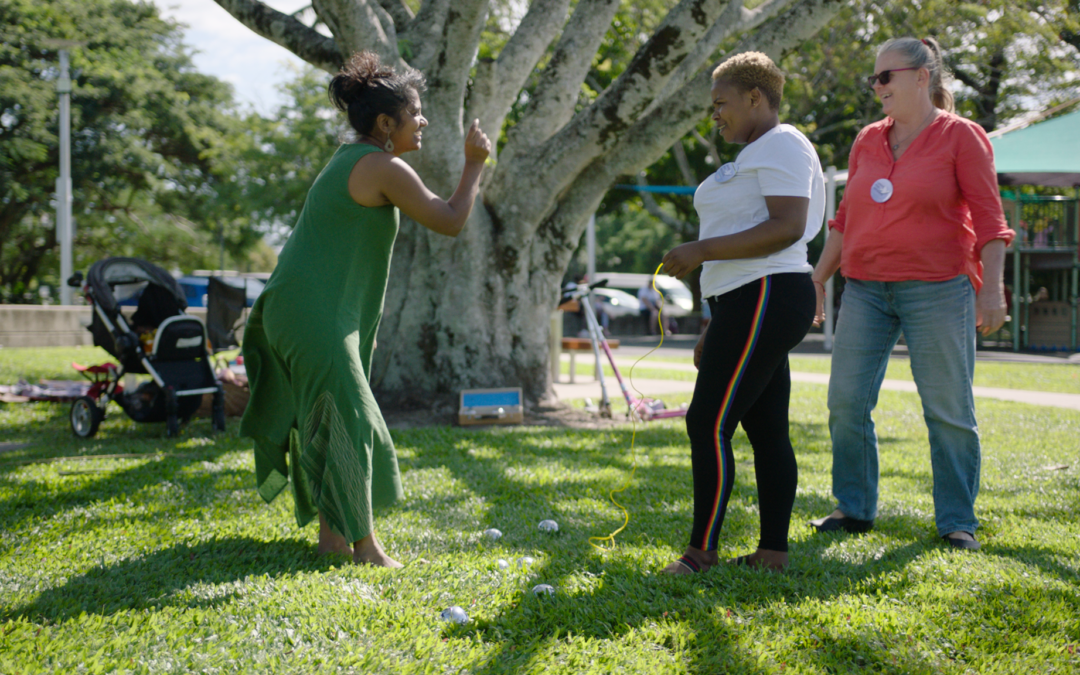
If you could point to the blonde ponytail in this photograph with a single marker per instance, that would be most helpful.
(926, 53)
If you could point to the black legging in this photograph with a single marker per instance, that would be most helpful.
(743, 378)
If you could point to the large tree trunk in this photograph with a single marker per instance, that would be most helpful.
(474, 311)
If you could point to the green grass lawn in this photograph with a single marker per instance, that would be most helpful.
(172, 564)
(1061, 378)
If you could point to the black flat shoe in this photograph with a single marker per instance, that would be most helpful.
(963, 544)
(833, 524)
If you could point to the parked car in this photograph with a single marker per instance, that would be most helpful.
(617, 303)
(195, 288)
(678, 300)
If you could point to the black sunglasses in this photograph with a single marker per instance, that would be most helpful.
(884, 76)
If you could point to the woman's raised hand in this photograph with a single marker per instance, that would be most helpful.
(477, 144)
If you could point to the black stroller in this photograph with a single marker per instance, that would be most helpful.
(159, 340)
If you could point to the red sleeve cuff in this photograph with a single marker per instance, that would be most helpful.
(982, 239)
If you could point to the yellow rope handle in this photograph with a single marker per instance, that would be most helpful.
(595, 541)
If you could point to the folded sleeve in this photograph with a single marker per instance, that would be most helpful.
(977, 178)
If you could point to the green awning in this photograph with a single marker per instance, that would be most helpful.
(1047, 153)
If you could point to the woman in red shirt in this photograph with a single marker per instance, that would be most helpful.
(920, 237)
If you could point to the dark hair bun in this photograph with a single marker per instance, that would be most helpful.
(359, 73)
(366, 88)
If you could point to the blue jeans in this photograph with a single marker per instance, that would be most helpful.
(937, 319)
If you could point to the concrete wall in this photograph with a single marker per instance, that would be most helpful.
(52, 325)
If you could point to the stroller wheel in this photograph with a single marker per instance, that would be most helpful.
(219, 411)
(172, 418)
(85, 417)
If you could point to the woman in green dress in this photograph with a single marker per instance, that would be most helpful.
(310, 337)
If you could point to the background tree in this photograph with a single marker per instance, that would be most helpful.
(154, 144)
(279, 156)
(474, 311)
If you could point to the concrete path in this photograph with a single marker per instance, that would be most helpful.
(587, 387)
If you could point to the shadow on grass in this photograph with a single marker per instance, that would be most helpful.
(33, 499)
(700, 620)
(707, 634)
(152, 581)
(1046, 559)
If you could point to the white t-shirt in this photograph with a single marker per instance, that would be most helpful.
(782, 163)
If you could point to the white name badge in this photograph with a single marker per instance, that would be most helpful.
(881, 191)
(726, 172)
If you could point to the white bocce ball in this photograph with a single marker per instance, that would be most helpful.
(455, 614)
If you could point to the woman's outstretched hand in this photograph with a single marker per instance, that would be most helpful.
(477, 144)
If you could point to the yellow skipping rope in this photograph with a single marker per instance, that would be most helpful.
(598, 542)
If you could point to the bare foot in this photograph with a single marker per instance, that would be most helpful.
(330, 541)
(368, 551)
(694, 557)
(775, 561)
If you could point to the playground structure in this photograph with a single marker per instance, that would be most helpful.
(1047, 244)
(1047, 154)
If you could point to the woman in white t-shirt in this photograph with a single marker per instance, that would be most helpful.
(757, 215)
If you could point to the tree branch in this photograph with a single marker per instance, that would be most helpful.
(458, 44)
(497, 82)
(552, 102)
(965, 79)
(307, 43)
(399, 11)
(594, 131)
(358, 25)
(645, 142)
(651, 205)
(734, 19)
(709, 145)
(422, 40)
(683, 163)
(635, 90)
(791, 28)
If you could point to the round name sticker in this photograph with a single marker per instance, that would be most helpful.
(881, 190)
(726, 172)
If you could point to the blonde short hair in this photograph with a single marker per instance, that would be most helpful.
(753, 69)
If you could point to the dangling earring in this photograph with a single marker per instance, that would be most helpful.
(389, 145)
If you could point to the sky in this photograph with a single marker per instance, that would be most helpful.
(230, 51)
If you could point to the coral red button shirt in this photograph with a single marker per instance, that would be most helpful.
(944, 207)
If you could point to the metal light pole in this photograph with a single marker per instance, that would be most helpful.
(590, 249)
(63, 184)
(830, 213)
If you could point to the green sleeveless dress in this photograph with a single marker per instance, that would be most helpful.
(307, 348)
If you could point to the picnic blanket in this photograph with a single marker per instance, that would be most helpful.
(57, 391)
